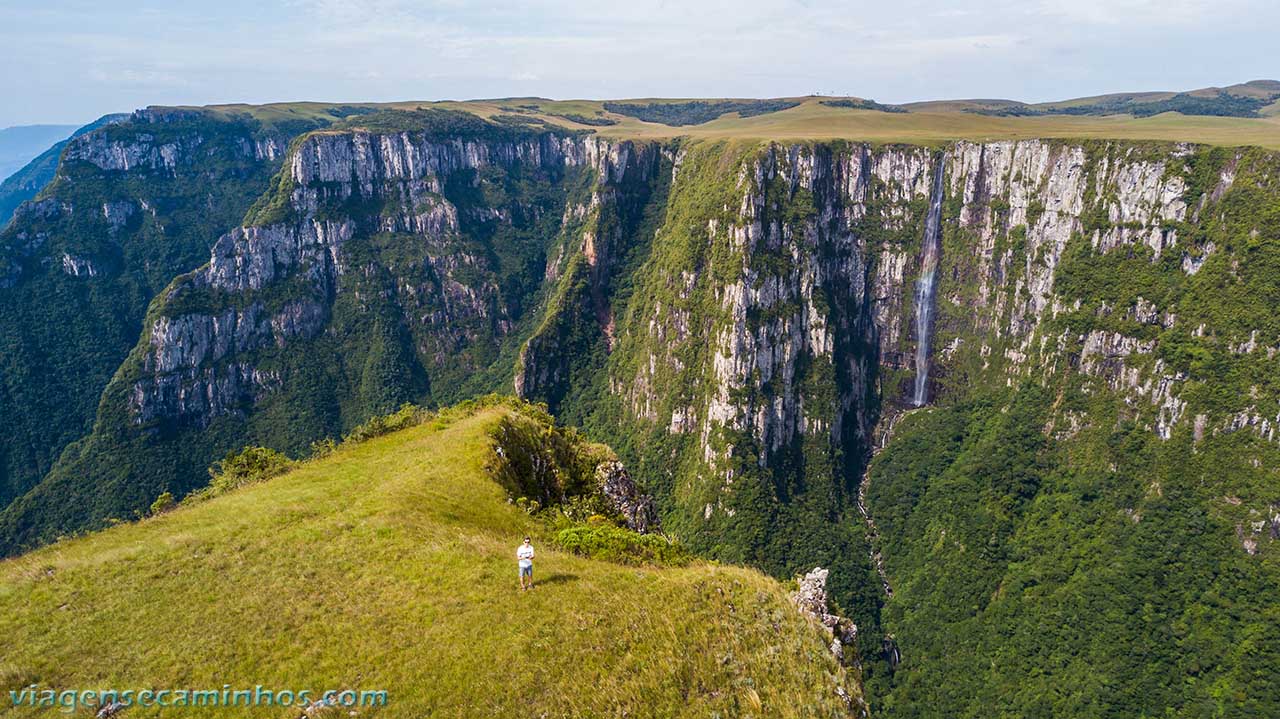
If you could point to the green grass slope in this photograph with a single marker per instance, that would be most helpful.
(389, 566)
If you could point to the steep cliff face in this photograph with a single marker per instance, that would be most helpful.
(403, 229)
(748, 308)
(742, 383)
(809, 262)
(1101, 315)
(134, 202)
(606, 236)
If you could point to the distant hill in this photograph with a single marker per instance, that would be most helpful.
(25, 183)
(1250, 99)
(390, 566)
(19, 144)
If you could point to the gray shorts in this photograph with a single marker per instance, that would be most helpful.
(526, 571)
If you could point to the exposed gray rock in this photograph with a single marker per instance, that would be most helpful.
(109, 709)
(117, 214)
(637, 509)
(771, 321)
(197, 396)
(195, 363)
(140, 151)
(78, 266)
(811, 599)
(248, 258)
(46, 209)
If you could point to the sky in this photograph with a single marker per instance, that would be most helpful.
(70, 61)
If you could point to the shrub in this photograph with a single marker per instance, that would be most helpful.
(407, 416)
(518, 120)
(600, 540)
(249, 466)
(859, 104)
(533, 457)
(322, 448)
(162, 504)
(586, 120)
(586, 507)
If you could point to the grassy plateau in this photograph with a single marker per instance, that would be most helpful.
(809, 118)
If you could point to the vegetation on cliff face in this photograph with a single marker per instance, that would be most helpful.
(1101, 574)
(389, 565)
(785, 508)
(1065, 535)
(134, 204)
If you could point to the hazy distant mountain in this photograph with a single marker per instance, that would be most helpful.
(19, 145)
(24, 183)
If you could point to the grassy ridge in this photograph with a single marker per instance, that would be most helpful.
(388, 565)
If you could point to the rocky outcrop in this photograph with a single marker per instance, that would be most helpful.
(635, 507)
(249, 258)
(185, 378)
(140, 151)
(811, 599)
(78, 266)
(160, 139)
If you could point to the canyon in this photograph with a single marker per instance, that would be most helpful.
(739, 320)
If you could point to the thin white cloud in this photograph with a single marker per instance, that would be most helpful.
(1121, 12)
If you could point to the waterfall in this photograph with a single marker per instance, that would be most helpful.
(927, 285)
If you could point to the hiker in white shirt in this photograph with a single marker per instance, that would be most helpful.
(524, 557)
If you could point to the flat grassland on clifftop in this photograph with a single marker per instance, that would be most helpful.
(811, 118)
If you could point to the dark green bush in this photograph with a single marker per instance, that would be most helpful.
(857, 104)
(598, 539)
(162, 504)
(249, 466)
(407, 416)
(586, 120)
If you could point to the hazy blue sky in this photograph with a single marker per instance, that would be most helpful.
(73, 60)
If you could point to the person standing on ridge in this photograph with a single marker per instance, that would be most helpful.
(524, 557)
